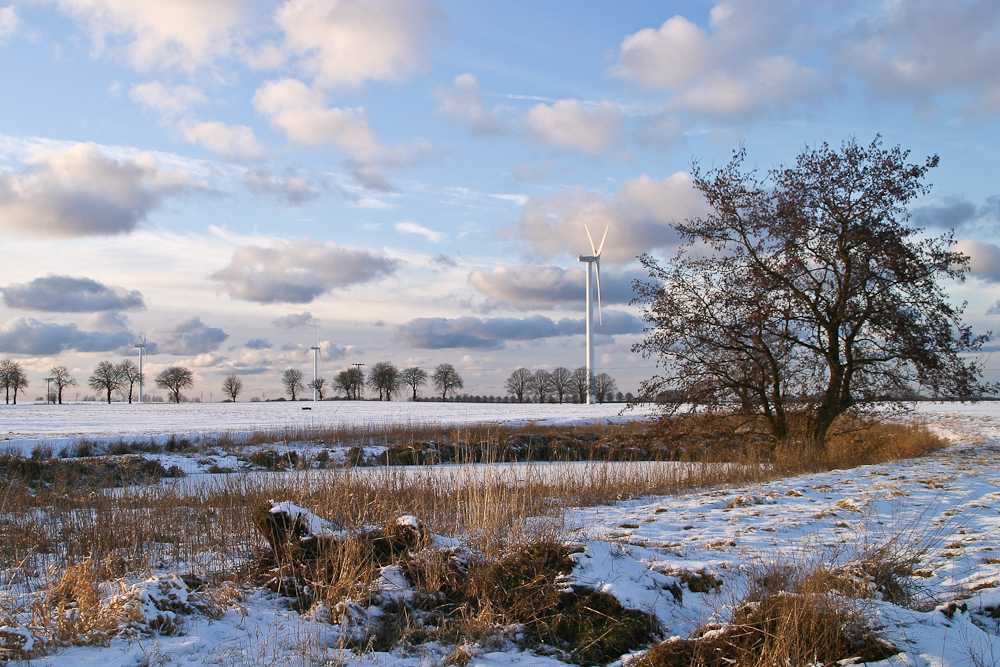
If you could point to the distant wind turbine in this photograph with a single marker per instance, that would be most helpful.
(142, 351)
(315, 350)
(592, 260)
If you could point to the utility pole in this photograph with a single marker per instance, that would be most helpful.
(357, 391)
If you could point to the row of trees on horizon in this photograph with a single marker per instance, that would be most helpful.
(384, 378)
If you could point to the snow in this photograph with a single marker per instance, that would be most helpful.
(945, 506)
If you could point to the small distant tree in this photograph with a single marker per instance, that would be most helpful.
(579, 382)
(604, 385)
(173, 379)
(319, 385)
(414, 378)
(446, 379)
(517, 384)
(540, 384)
(561, 382)
(61, 379)
(292, 381)
(232, 386)
(12, 376)
(105, 379)
(384, 378)
(128, 374)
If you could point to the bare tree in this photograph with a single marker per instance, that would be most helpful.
(319, 384)
(603, 385)
(809, 296)
(414, 378)
(384, 378)
(580, 383)
(61, 379)
(128, 373)
(105, 379)
(12, 376)
(351, 381)
(174, 379)
(540, 384)
(232, 385)
(446, 379)
(517, 384)
(292, 382)
(561, 382)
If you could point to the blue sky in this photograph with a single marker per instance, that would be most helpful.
(409, 180)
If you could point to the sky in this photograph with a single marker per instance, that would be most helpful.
(410, 181)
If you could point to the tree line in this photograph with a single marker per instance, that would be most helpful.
(560, 383)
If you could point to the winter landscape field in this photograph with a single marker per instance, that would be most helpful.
(920, 536)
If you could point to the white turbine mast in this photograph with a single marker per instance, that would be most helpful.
(142, 351)
(591, 261)
(315, 350)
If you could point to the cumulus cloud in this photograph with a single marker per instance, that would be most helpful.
(410, 227)
(571, 125)
(190, 337)
(168, 102)
(492, 333)
(346, 42)
(65, 294)
(919, 48)
(463, 104)
(10, 23)
(292, 189)
(538, 285)
(152, 33)
(295, 320)
(984, 258)
(26, 335)
(731, 71)
(443, 260)
(301, 114)
(235, 142)
(639, 217)
(80, 191)
(258, 344)
(299, 271)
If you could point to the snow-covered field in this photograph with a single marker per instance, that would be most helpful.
(947, 504)
(24, 425)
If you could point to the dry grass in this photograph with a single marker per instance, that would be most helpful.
(65, 544)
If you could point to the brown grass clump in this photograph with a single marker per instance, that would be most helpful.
(790, 616)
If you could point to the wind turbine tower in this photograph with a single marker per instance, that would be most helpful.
(142, 351)
(315, 349)
(592, 261)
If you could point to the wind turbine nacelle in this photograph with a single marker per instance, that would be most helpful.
(587, 258)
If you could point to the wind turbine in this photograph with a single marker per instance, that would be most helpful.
(142, 351)
(592, 260)
(315, 350)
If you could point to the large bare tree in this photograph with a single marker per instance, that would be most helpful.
(384, 378)
(105, 379)
(561, 379)
(445, 379)
(175, 379)
(232, 385)
(291, 380)
(414, 377)
(12, 377)
(128, 374)
(804, 295)
(517, 384)
(61, 379)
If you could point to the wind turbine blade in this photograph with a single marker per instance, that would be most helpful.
(600, 315)
(597, 253)
(591, 239)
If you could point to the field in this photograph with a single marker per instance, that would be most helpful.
(157, 575)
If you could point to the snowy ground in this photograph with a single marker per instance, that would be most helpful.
(22, 426)
(947, 504)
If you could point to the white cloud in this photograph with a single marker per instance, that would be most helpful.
(346, 42)
(80, 191)
(66, 294)
(639, 217)
(190, 337)
(10, 23)
(156, 34)
(293, 189)
(984, 259)
(236, 142)
(300, 112)
(732, 71)
(26, 335)
(568, 124)
(539, 285)
(299, 271)
(169, 102)
(408, 227)
(463, 104)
